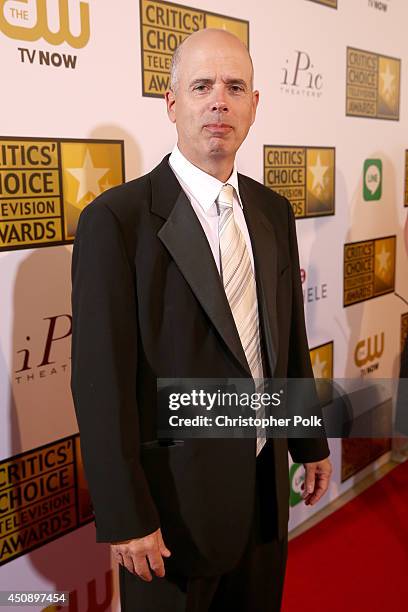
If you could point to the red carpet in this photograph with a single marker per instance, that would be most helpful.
(355, 560)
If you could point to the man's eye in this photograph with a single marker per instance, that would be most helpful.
(200, 87)
(237, 88)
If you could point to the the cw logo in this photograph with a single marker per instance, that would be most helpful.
(364, 352)
(33, 14)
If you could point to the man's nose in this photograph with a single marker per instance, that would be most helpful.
(219, 105)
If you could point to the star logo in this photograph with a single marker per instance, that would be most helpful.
(318, 171)
(383, 259)
(89, 178)
(388, 85)
(319, 367)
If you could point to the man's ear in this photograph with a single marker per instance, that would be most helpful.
(255, 102)
(171, 105)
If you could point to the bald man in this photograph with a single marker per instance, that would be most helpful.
(191, 271)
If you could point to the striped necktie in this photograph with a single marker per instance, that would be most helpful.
(239, 283)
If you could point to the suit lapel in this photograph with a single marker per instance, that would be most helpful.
(184, 238)
(264, 247)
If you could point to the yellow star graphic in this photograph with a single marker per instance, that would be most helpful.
(106, 185)
(318, 172)
(319, 367)
(383, 258)
(388, 85)
(88, 178)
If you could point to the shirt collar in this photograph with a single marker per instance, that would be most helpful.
(204, 187)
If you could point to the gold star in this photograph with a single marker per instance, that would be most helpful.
(383, 259)
(88, 178)
(318, 172)
(319, 367)
(388, 79)
(106, 185)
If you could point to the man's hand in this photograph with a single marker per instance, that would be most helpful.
(317, 478)
(132, 554)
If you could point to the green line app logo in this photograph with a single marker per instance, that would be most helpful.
(164, 25)
(373, 85)
(372, 182)
(368, 269)
(45, 184)
(304, 175)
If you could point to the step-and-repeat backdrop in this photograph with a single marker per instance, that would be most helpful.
(82, 110)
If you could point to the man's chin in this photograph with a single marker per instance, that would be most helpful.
(218, 147)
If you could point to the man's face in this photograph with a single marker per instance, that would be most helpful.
(214, 105)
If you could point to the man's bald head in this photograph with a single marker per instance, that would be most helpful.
(207, 36)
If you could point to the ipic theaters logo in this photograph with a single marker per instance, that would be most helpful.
(331, 3)
(369, 269)
(164, 26)
(53, 22)
(300, 76)
(304, 175)
(406, 179)
(312, 293)
(404, 329)
(45, 183)
(322, 360)
(43, 495)
(373, 85)
(373, 178)
(35, 358)
(368, 352)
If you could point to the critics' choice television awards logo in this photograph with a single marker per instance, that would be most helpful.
(53, 22)
(304, 175)
(373, 85)
(369, 269)
(43, 495)
(164, 26)
(404, 329)
(406, 179)
(372, 181)
(300, 76)
(331, 3)
(45, 184)
(368, 352)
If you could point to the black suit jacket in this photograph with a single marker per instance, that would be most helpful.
(148, 302)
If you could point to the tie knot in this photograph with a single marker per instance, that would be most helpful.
(225, 197)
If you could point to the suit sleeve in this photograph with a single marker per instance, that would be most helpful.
(302, 450)
(103, 382)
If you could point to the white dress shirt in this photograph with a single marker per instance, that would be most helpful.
(202, 189)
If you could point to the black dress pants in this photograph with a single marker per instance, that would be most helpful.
(255, 584)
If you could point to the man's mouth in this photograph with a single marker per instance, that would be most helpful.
(218, 128)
